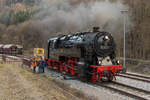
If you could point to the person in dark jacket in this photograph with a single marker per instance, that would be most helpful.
(39, 64)
(43, 65)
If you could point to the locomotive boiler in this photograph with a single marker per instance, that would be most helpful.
(87, 55)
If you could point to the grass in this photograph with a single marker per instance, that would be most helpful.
(36, 78)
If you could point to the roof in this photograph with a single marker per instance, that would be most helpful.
(8, 46)
(53, 39)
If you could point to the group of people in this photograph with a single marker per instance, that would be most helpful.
(41, 64)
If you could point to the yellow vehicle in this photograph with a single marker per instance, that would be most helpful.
(38, 53)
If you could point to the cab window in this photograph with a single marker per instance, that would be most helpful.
(40, 52)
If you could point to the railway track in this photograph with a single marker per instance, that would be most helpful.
(136, 77)
(130, 91)
(127, 90)
(22, 57)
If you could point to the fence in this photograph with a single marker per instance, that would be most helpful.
(21, 61)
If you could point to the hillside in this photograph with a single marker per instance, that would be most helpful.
(32, 22)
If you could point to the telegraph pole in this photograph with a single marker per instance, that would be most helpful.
(124, 12)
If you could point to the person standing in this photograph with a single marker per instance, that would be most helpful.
(39, 66)
(43, 65)
(34, 64)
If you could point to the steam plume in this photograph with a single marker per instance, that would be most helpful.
(64, 16)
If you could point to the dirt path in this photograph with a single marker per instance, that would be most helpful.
(19, 84)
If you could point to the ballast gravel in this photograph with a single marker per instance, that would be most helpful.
(98, 92)
(135, 83)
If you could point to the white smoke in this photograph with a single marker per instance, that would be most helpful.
(62, 16)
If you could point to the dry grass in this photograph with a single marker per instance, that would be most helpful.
(63, 87)
(19, 84)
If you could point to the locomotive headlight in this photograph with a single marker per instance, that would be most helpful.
(99, 62)
(106, 37)
(118, 61)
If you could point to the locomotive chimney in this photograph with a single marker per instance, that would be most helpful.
(96, 29)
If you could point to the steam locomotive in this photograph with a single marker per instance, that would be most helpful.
(89, 56)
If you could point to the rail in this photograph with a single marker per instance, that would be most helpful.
(126, 90)
(138, 75)
(140, 78)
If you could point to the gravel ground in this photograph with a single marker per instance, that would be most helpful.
(94, 91)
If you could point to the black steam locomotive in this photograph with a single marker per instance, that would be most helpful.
(87, 55)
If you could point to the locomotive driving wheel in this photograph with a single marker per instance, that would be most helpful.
(104, 79)
(107, 77)
(110, 77)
